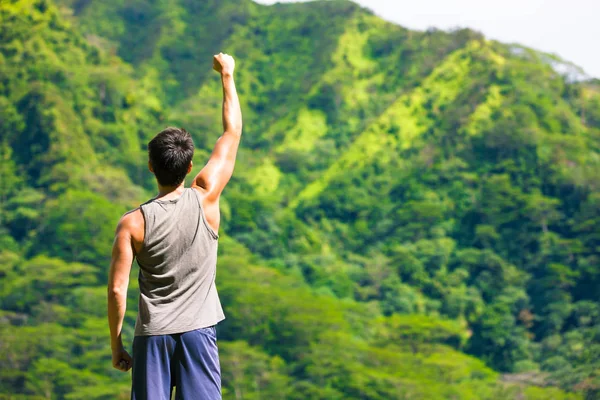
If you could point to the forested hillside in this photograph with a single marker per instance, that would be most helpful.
(413, 215)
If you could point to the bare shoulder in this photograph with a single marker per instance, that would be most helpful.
(132, 219)
(132, 223)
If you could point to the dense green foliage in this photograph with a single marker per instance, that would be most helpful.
(413, 214)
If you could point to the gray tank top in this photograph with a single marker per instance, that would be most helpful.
(178, 263)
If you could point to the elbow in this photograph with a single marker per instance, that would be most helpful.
(237, 129)
(116, 292)
(236, 125)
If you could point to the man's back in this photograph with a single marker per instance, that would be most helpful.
(178, 260)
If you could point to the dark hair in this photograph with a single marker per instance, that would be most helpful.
(170, 154)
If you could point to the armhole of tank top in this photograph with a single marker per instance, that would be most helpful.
(145, 229)
(210, 229)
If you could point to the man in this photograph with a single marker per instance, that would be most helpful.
(174, 239)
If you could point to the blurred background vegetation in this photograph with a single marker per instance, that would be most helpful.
(414, 215)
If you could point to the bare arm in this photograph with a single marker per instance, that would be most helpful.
(118, 281)
(211, 180)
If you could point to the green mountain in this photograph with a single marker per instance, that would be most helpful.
(414, 215)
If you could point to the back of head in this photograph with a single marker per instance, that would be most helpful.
(170, 153)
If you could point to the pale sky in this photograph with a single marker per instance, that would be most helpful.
(568, 28)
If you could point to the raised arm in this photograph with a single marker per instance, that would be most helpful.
(211, 180)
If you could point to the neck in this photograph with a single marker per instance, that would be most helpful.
(164, 191)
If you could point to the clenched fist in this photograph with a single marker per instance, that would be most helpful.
(121, 359)
(223, 64)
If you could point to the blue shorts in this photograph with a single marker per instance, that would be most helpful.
(188, 361)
